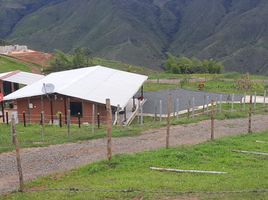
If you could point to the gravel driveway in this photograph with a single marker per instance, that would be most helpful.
(59, 158)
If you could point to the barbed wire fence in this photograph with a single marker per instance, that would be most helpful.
(96, 122)
(211, 110)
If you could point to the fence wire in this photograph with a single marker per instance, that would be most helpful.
(132, 190)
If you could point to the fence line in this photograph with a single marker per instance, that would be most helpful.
(132, 190)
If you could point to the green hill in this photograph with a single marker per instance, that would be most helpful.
(9, 64)
(141, 32)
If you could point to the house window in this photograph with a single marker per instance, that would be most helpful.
(76, 107)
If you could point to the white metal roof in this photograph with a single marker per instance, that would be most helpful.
(20, 77)
(91, 83)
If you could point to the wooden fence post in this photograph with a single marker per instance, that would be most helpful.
(204, 103)
(220, 109)
(212, 120)
(264, 98)
(249, 115)
(193, 105)
(16, 143)
(7, 120)
(188, 109)
(98, 120)
(3, 111)
(155, 110)
(29, 114)
(93, 119)
(109, 129)
(68, 122)
(79, 119)
(207, 104)
(241, 104)
(60, 119)
(255, 100)
(141, 112)
(178, 107)
(216, 105)
(42, 125)
(232, 105)
(244, 104)
(168, 119)
(24, 118)
(160, 110)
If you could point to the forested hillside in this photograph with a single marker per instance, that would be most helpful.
(142, 32)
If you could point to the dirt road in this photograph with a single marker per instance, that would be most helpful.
(59, 158)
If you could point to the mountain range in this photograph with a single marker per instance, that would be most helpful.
(142, 32)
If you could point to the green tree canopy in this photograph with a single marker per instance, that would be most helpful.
(184, 65)
(81, 57)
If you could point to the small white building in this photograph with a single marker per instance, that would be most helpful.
(13, 48)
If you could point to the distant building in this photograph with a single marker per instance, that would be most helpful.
(12, 81)
(83, 92)
(13, 48)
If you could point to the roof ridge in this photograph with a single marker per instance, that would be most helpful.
(76, 79)
(10, 74)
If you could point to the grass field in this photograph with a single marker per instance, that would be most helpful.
(132, 173)
(9, 64)
(226, 75)
(215, 86)
(228, 87)
(30, 136)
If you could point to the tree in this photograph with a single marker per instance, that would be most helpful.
(184, 65)
(81, 57)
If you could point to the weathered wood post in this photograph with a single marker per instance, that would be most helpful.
(249, 115)
(241, 104)
(160, 110)
(174, 107)
(155, 110)
(255, 100)
(60, 120)
(68, 122)
(141, 112)
(109, 129)
(7, 120)
(118, 121)
(18, 158)
(232, 105)
(220, 107)
(212, 120)
(93, 119)
(98, 120)
(204, 103)
(177, 107)
(169, 101)
(216, 105)
(29, 111)
(207, 103)
(188, 109)
(42, 125)
(244, 103)
(3, 111)
(24, 118)
(264, 98)
(193, 105)
(79, 119)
